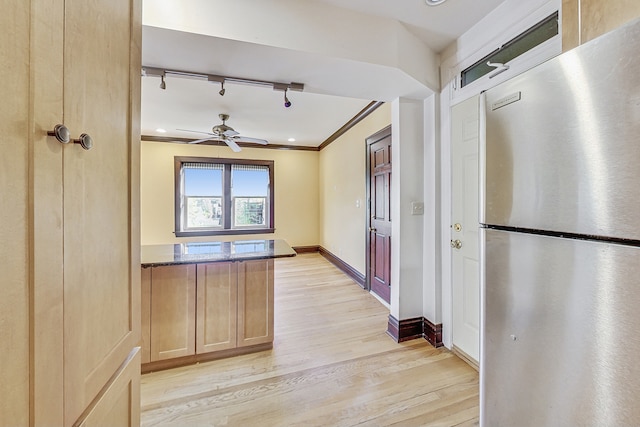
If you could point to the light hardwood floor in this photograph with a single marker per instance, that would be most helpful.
(332, 365)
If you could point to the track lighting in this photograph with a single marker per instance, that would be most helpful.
(284, 88)
(218, 79)
(287, 103)
(162, 73)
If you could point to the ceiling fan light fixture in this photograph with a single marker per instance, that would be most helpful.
(434, 2)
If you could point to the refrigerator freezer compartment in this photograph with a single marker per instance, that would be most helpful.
(561, 144)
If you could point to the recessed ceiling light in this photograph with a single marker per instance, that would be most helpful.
(291, 140)
(434, 2)
(160, 130)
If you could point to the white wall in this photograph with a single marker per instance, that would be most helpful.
(407, 186)
(343, 198)
(432, 265)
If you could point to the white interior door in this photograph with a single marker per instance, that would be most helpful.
(464, 229)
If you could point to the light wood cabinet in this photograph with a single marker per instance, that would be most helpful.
(14, 213)
(217, 307)
(173, 310)
(119, 405)
(584, 20)
(255, 302)
(208, 310)
(69, 316)
(145, 314)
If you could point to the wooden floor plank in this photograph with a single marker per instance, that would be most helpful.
(332, 365)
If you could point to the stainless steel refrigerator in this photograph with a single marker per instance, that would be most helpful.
(560, 227)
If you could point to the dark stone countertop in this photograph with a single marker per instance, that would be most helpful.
(201, 252)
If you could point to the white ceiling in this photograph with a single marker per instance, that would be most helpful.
(318, 111)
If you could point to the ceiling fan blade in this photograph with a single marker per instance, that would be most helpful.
(253, 140)
(230, 132)
(196, 131)
(232, 144)
(197, 141)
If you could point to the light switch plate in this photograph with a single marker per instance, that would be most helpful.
(417, 208)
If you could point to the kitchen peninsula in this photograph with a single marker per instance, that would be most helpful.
(207, 300)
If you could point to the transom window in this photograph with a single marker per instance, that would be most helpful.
(223, 196)
(534, 36)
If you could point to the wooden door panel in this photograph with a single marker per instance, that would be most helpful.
(14, 180)
(381, 256)
(217, 294)
(173, 308)
(101, 294)
(119, 404)
(380, 157)
(379, 197)
(380, 215)
(255, 302)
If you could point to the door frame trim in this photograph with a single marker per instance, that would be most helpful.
(372, 139)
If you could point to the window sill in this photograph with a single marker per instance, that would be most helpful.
(225, 232)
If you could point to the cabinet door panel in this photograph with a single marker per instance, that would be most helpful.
(14, 181)
(255, 302)
(173, 301)
(101, 270)
(216, 307)
(119, 405)
(145, 314)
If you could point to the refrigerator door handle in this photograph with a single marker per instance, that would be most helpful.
(482, 141)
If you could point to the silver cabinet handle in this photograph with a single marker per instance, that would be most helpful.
(63, 135)
(61, 132)
(85, 141)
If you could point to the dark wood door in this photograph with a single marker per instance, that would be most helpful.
(379, 276)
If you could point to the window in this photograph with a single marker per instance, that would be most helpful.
(223, 196)
(534, 36)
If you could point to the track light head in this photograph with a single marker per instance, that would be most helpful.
(218, 79)
(163, 83)
(287, 103)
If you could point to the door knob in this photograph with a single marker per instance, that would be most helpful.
(456, 244)
(373, 230)
(457, 226)
(85, 141)
(61, 132)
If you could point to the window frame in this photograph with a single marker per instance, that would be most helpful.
(227, 201)
(472, 53)
(523, 36)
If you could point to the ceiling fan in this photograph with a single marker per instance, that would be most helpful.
(225, 134)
